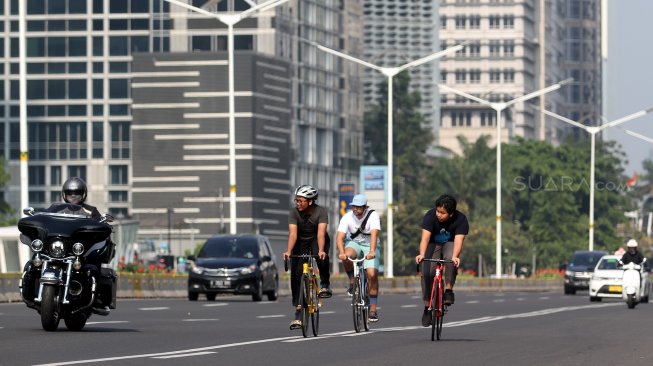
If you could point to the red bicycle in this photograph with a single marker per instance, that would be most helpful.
(436, 302)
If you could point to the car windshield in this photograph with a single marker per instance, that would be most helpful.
(586, 259)
(611, 263)
(230, 248)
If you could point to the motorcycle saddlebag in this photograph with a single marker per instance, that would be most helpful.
(107, 287)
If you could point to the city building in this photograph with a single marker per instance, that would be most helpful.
(517, 47)
(90, 65)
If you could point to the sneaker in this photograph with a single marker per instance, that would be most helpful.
(448, 297)
(295, 324)
(374, 317)
(324, 293)
(426, 318)
(350, 290)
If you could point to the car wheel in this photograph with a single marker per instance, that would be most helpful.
(210, 296)
(645, 299)
(594, 298)
(258, 295)
(570, 290)
(274, 294)
(193, 296)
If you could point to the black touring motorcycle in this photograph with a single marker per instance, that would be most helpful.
(65, 278)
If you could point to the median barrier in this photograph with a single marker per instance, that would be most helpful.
(162, 285)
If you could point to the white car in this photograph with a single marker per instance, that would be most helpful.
(606, 279)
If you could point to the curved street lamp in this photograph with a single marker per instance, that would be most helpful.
(593, 130)
(390, 72)
(230, 19)
(499, 107)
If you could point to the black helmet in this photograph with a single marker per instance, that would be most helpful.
(74, 186)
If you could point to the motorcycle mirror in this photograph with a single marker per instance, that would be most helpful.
(29, 211)
(107, 218)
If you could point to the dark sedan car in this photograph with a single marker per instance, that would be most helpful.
(579, 270)
(237, 264)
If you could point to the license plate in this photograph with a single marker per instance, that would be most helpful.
(614, 288)
(220, 283)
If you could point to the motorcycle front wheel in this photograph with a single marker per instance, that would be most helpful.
(75, 322)
(50, 308)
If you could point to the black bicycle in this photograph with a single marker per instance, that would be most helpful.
(360, 300)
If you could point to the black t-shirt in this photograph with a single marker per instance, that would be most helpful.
(443, 232)
(636, 258)
(307, 222)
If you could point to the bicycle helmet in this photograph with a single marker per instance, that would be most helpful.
(632, 243)
(74, 187)
(306, 191)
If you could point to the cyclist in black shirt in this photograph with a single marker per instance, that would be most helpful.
(307, 233)
(443, 233)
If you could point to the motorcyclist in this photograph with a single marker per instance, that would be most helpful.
(74, 191)
(632, 255)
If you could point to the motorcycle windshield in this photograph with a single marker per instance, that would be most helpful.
(64, 220)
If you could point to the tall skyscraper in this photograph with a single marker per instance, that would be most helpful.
(517, 47)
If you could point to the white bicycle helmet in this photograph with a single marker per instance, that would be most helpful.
(306, 191)
(632, 243)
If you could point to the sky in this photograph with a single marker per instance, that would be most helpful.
(630, 76)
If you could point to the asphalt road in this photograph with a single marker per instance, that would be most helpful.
(480, 329)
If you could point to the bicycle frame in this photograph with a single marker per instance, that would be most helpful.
(360, 297)
(438, 309)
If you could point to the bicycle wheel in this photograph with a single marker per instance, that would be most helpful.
(355, 305)
(439, 317)
(366, 308)
(305, 301)
(436, 303)
(315, 315)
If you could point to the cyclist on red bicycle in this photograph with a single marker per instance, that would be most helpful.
(363, 226)
(443, 233)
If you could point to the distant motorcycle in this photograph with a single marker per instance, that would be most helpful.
(64, 279)
(635, 286)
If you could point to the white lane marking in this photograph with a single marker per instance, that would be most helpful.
(472, 302)
(327, 312)
(216, 304)
(409, 306)
(520, 299)
(200, 320)
(108, 322)
(498, 300)
(416, 297)
(346, 333)
(155, 308)
(186, 355)
(544, 298)
(270, 316)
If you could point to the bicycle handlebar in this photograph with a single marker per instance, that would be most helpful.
(437, 260)
(304, 256)
(355, 261)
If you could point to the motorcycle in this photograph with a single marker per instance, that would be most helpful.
(635, 285)
(65, 279)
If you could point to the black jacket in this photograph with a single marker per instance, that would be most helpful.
(636, 258)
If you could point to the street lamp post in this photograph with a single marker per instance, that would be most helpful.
(231, 19)
(499, 107)
(390, 72)
(593, 130)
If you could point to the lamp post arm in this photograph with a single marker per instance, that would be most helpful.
(639, 136)
(466, 95)
(563, 119)
(537, 93)
(627, 118)
(193, 8)
(432, 56)
(261, 7)
(346, 56)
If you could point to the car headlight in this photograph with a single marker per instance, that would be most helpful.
(196, 269)
(248, 270)
(57, 249)
(569, 273)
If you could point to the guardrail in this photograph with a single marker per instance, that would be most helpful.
(149, 285)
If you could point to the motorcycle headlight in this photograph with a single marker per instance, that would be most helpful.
(78, 248)
(37, 245)
(57, 249)
(248, 270)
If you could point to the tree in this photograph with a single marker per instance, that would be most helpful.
(7, 214)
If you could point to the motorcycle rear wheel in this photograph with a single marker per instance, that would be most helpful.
(75, 322)
(50, 308)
